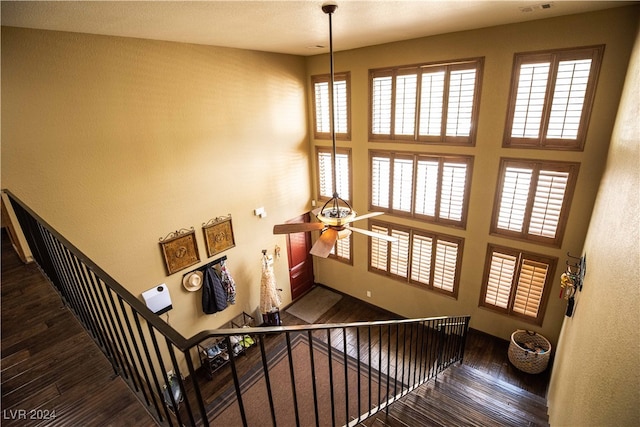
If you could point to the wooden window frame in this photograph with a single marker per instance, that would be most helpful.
(536, 166)
(334, 253)
(417, 157)
(550, 262)
(339, 150)
(554, 57)
(408, 279)
(325, 78)
(447, 66)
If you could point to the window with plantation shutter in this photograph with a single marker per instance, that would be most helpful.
(533, 199)
(343, 173)
(430, 103)
(342, 250)
(402, 184)
(429, 187)
(378, 254)
(399, 255)
(517, 283)
(380, 181)
(341, 107)
(551, 97)
(424, 259)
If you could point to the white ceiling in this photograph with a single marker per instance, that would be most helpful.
(293, 27)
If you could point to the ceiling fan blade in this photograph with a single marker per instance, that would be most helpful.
(297, 227)
(316, 211)
(323, 246)
(374, 234)
(365, 216)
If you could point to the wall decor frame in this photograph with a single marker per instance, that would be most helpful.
(180, 250)
(218, 235)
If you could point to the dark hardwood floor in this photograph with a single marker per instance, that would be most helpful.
(49, 363)
(52, 372)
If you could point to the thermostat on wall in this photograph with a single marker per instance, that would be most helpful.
(158, 299)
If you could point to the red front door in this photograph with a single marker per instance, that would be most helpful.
(300, 261)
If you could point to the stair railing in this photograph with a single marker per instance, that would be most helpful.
(345, 372)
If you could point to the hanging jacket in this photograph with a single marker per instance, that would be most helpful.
(214, 298)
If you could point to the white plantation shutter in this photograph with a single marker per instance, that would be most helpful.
(324, 174)
(547, 204)
(342, 248)
(340, 105)
(322, 107)
(325, 167)
(399, 259)
(513, 199)
(462, 85)
(533, 276)
(426, 187)
(405, 106)
(568, 99)
(422, 247)
(515, 282)
(418, 257)
(552, 102)
(379, 249)
(501, 274)
(452, 192)
(431, 103)
(530, 99)
(402, 184)
(381, 105)
(444, 271)
(380, 181)
(534, 199)
(438, 99)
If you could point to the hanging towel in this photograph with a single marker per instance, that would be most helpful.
(269, 298)
(228, 283)
(214, 298)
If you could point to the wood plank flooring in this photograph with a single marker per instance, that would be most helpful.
(52, 372)
(50, 363)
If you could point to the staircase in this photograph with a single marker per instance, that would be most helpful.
(464, 396)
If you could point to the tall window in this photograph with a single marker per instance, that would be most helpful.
(533, 199)
(342, 250)
(517, 283)
(343, 173)
(430, 103)
(418, 257)
(551, 98)
(341, 107)
(429, 187)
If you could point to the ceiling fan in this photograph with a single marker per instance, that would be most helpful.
(336, 215)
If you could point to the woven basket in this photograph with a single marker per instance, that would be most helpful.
(525, 359)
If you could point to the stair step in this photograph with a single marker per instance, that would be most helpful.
(464, 396)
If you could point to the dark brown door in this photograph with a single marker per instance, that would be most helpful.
(300, 261)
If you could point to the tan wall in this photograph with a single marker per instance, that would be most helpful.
(117, 142)
(498, 44)
(596, 375)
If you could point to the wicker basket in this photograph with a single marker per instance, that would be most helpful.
(529, 351)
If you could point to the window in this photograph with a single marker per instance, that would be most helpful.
(341, 107)
(343, 173)
(517, 283)
(429, 187)
(342, 250)
(418, 257)
(551, 97)
(429, 103)
(533, 199)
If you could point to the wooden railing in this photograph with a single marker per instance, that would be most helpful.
(324, 374)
